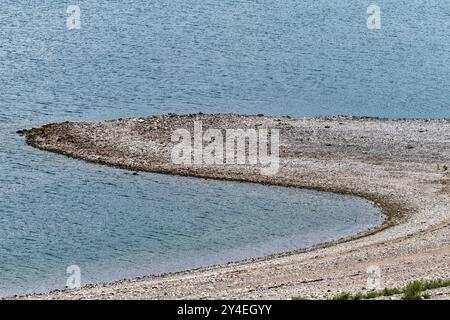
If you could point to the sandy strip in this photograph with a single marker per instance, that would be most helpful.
(398, 164)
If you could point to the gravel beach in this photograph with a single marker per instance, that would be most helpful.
(400, 165)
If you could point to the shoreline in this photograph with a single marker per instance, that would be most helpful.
(347, 155)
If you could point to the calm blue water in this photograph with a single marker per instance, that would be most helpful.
(134, 58)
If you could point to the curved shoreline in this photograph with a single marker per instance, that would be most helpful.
(359, 153)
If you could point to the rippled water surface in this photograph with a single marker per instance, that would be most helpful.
(137, 58)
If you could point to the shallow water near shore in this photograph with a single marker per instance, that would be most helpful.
(132, 58)
(114, 224)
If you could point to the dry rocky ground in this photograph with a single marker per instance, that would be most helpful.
(401, 165)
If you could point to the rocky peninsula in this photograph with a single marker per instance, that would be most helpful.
(400, 165)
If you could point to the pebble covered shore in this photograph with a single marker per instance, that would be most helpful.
(400, 165)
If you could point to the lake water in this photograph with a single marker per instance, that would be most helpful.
(133, 58)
